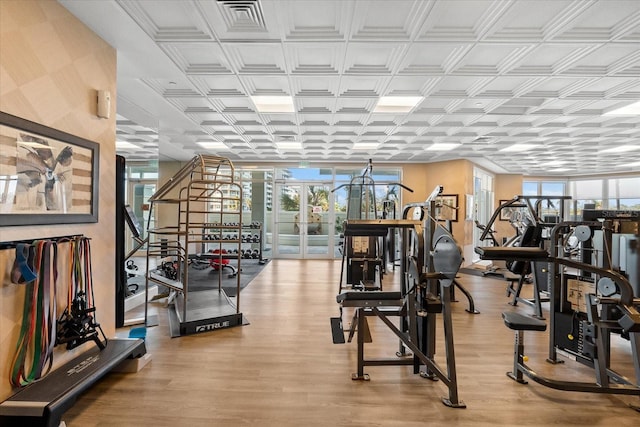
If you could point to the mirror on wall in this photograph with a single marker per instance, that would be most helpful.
(137, 154)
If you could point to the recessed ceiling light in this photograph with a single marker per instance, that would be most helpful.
(213, 145)
(517, 148)
(289, 145)
(627, 110)
(366, 145)
(124, 145)
(397, 104)
(443, 146)
(273, 104)
(559, 170)
(555, 163)
(620, 149)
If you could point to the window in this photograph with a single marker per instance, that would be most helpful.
(624, 188)
(543, 188)
(607, 193)
(530, 188)
(552, 188)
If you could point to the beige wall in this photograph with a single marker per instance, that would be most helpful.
(50, 68)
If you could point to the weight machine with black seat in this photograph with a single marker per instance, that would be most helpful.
(431, 259)
(588, 304)
(532, 229)
(363, 251)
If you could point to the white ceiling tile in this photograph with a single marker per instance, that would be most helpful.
(326, 20)
(256, 58)
(314, 58)
(168, 21)
(600, 20)
(387, 20)
(526, 20)
(492, 74)
(198, 58)
(372, 58)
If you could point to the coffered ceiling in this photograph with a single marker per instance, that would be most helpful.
(492, 75)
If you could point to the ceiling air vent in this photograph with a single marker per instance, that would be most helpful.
(242, 15)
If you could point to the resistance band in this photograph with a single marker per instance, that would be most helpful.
(37, 333)
(77, 324)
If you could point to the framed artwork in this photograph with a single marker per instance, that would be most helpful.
(447, 207)
(507, 213)
(46, 176)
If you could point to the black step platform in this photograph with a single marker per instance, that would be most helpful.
(44, 402)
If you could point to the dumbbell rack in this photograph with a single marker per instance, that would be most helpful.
(206, 197)
(226, 237)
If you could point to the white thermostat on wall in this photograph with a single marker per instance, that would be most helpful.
(104, 104)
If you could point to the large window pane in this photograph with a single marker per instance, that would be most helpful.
(530, 188)
(629, 204)
(590, 189)
(304, 174)
(552, 189)
(624, 188)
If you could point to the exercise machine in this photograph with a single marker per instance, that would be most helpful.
(532, 218)
(588, 304)
(363, 252)
(431, 259)
(423, 211)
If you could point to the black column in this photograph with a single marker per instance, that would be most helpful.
(121, 274)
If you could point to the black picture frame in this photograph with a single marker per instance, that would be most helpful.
(46, 176)
(447, 207)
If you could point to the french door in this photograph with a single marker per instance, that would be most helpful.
(304, 220)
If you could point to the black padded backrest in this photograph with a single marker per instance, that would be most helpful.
(530, 238)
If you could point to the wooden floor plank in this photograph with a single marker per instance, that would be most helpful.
(283, 370)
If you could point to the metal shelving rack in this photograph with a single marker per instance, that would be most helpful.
(212, 241)
(206, 197)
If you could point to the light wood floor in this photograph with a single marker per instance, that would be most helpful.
(283, 370)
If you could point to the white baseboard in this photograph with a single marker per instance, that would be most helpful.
(137, 299)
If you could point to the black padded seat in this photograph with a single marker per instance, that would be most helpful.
(374, 230)
(511, 253)
(370, 298)
(520, 322)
